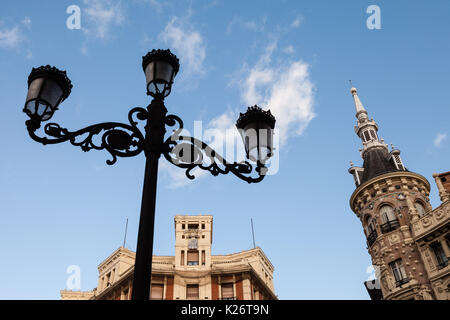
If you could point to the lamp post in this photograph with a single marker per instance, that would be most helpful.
(48, 87)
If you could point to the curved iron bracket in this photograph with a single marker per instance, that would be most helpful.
(119, 139)
(188, 153)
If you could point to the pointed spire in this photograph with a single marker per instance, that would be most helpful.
(358, 105)
(375, 152)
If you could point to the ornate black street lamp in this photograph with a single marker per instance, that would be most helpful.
(48, 87)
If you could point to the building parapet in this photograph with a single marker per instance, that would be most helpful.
(432, 221)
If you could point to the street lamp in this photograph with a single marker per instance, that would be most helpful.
(48, 87)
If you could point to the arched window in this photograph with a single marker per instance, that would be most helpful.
(370, 225)
(373, 134)
(371, 231)
(387, 213)
(420, 209)
(388, 219)
(366, 136)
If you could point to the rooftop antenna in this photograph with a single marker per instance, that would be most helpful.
(253, 233)
(125, 237)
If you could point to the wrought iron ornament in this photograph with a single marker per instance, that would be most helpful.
(118, 139)
(190, 153)
(123, 140)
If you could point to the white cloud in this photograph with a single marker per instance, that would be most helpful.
(26, 21)
(297, 22)
(251, 25)
(440, 137)
(100, 16)
(285, 88)
(289, 50)
(11, 38)
(155, 4)
(188, 44)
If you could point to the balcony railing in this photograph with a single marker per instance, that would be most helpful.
(389, 226)
(399, 282)
(442, 264)
(372, 237)
(229, 298)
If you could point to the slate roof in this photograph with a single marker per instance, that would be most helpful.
(376, 163)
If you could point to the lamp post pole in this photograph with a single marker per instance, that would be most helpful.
(155, 131)
(49, 86)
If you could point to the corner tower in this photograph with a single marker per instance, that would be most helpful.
(388, 199)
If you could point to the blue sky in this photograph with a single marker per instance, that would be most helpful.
(60, 206)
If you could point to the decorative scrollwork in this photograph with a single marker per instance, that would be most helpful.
(119, 139)
(188, 153)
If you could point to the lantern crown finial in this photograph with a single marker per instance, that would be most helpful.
(159, 54)
(255, 113)
(59, 76)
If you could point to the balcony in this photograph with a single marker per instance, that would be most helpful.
(372, 237)
(228, 298)
(442, 264)
(400, 282)
(432, 221)
(390, 226)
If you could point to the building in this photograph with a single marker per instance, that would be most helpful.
(408, 240)
(192, 273)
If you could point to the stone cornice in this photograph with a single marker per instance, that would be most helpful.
(241, 255)
(115, 255)
(384, 177)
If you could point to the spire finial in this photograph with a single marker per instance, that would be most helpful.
(358, 104)
(351, 163)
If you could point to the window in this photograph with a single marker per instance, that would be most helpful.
(227, 291)
(398, 162)
(203, 226)
(420, 209)
(183, 226)
(182, 258)
(440, 254)
(203, 257)
(108, 279)
(388, 219)
(156, 292)
(192, 258)
(366, 136)
(399, 272)
(125, 294)
(193, 226)
(371, 231)
(192, 292)
(373, 134)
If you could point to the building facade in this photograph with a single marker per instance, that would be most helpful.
(408, 240)
(193, 273)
